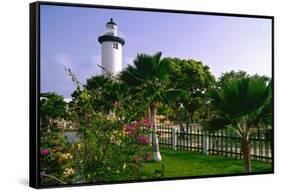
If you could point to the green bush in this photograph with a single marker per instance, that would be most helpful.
(109, 149)
(55, 158)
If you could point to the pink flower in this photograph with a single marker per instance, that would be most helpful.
(143, 139)
(131, 129)
(148, 157)
(44, 152)
(147, 122)
(131, 133)
(139, 123)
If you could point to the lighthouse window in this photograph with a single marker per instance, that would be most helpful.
(115, 45)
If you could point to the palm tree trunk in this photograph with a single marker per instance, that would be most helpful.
(50, 124)
(148, 114)
(156, 153)
(246, 148)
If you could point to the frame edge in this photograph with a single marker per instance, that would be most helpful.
(33, 68)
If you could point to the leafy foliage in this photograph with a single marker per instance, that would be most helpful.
(240, 97)
(52, 106)
(106, 146)
(239, 74)
(55, 158)
(194, 79)
(242, 103)
(114, 97)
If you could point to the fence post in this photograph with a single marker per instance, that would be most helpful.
(174, 138)
(150, 138)
(205, 142)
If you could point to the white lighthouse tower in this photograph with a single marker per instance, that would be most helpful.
(112, 45)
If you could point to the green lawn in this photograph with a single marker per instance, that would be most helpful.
(183, 163)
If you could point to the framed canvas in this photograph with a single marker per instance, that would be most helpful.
(122, 94)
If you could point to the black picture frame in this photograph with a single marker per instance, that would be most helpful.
(34, 88)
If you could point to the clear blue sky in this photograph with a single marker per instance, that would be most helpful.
(69, 38)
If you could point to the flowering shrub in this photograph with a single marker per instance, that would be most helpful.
(110, 152)
(143, 139)
(55, 158)
(139, 131)
(108, 149)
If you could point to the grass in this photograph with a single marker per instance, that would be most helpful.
(183, 164)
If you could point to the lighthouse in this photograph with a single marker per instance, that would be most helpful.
(111, 49)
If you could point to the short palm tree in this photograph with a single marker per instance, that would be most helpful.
(242, 104)
(148, 76)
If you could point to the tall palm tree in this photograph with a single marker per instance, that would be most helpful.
(110, 95)
(242, 104)
(148, 76)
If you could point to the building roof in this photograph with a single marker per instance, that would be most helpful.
(111, 22)
(111, 39)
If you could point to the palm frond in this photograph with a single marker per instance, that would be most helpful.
(239, 97)
(215, 124)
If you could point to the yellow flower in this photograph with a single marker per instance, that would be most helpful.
(111, 117)
(124, 166)
(65, 156)
(79, 146)
(69, 156)
(68, 172)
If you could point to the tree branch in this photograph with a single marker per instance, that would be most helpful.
(53, 177)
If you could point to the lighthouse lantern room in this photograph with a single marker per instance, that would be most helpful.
(111, 51)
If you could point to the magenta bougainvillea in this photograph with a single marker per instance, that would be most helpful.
(139, 130)
(44, 152)
(143, 139)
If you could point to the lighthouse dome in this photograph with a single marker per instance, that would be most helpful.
(111, 34)
(111, 22)
(111, 28)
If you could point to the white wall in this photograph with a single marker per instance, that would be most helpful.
(111, 58)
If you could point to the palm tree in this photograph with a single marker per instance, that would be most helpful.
(147, 78)
(242, 104)
(111, 96)
(101, 87)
